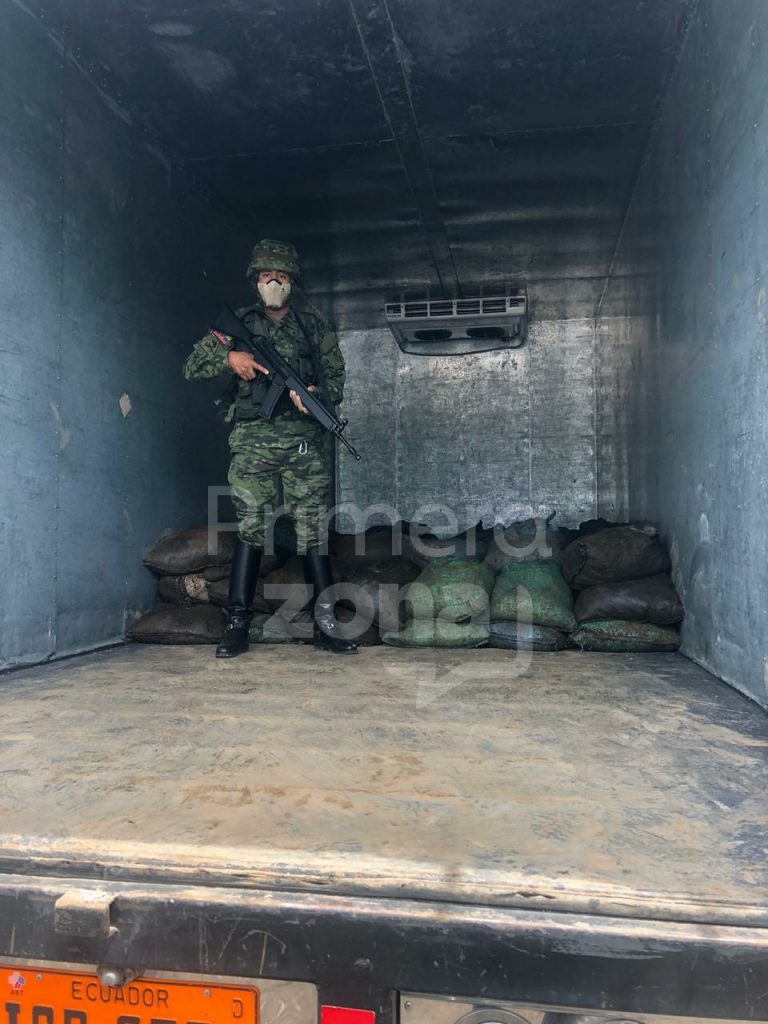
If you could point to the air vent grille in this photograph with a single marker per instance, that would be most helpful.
(514, 304)
(459, 326)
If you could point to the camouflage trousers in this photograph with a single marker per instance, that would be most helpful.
(274, 471)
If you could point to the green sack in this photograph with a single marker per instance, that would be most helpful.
(620, 636)
(268, 628)
(452, 588)
(438, 633)
(544, 599)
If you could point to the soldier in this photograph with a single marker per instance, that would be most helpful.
(290, 452)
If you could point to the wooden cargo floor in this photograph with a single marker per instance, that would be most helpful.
(624, 784)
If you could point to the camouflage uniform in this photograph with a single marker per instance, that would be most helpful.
(290, 453)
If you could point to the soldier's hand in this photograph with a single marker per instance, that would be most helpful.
(298, 402)
(245, 366)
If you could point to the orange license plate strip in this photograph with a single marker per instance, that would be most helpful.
(41, 995)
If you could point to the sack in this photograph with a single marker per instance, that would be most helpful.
(290, 574)
(377, 543)
(273, 628)
(375, 589)
(183, 590)
(614, 555)
(653, 599)
(437, 633)
(588, 526)
(454, 589)
(619, 636)
(216, 573)
(218, 594)
(544, 598)
(422, 547)
(186, 551)
(518, 636)
(169, 624)
(527, 540)
(348, 630)
(269, 628)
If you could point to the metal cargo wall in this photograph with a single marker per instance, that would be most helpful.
(109, 263)
(684, 328)
(493, 437)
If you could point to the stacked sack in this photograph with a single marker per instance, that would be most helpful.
(186, 571)
(373, 569)
(193, 587)
(625, 599)
(446, 605)
(531, 607)
(512, 587)
(531, 604)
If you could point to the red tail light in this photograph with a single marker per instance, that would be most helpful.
(346, 1015)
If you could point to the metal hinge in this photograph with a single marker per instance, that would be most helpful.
(84, 913)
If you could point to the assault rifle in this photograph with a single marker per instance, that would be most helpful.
(281, 377)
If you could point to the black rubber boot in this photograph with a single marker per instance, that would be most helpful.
(317, 572)
(242, 583)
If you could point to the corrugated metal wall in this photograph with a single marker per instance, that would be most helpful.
(110, 264)
(495, 437)
(685, 327)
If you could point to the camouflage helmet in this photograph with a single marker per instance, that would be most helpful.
(269, 254)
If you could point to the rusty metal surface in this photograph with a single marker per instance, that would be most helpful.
(624, 785)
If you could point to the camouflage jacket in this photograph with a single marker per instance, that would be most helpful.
(208, 360)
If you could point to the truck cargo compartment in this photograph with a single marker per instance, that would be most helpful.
(539, 230)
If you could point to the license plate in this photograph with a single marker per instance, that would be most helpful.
(32, 995)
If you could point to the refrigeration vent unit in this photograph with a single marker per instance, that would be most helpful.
(457, 327)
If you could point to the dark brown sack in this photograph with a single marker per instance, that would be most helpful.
(183, 590)
(268, 564)
(527, 541)
(214, 573)
(612, 556)
(585, 529)
(186, 551)
(349, 631)
(653, 599)
(218, 594)
(292, 572)
(169, 624)
(375, 543)
(377, 585)
(422, 547)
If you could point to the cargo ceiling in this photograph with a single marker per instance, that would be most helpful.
(402, 144)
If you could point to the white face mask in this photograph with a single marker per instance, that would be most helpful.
(273, 294)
